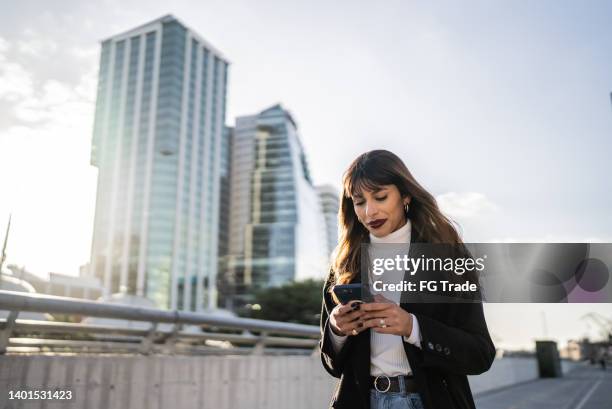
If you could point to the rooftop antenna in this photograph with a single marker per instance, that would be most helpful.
(3, 256)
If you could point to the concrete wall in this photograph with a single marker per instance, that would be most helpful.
(216, 382)
(568, 366)
(169, 382)
(505, 372)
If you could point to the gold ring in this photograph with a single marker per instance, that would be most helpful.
(354, 331)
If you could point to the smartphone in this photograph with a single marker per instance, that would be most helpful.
(348, 292)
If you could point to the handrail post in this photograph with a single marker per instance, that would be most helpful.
(170, 340)
(147, 342)
(316, 351)
(5, 334)
(259, 347)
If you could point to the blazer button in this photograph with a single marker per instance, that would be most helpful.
(438, 347)
(446, 350)
(430, 345)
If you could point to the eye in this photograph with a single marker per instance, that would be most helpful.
(359, 203)
(380, 199)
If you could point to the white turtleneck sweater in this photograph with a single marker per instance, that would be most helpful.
(387, 355)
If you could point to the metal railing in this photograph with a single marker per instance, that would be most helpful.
(165, 331)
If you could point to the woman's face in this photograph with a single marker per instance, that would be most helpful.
(381, 211)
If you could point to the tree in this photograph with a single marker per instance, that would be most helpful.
(296, 301)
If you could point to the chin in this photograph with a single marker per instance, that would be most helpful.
(381, 233)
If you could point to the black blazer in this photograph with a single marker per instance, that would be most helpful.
(455, 343)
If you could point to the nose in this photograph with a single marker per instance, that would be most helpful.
(371, 210)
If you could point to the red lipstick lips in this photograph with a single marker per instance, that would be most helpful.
(377, 223)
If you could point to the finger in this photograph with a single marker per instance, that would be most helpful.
(347, 328)
(384, 314)
(357, 328)
(341, 311)
(360, 329)
(381, 299)
(353, 315)
(350, 318)
(349, 306)
(375, 322)
(376, 306)
(375, 318)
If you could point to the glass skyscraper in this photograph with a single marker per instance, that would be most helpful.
(157, 143)
(277, 227)
(330, 202)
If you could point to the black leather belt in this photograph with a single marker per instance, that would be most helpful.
(385, 383)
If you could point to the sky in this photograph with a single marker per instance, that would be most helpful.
(500, 109)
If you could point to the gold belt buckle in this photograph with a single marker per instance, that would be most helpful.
(376, 383)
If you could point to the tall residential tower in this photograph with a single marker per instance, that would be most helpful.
(157, 142)
(277, 227)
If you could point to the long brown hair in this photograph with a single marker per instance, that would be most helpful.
(368, 172)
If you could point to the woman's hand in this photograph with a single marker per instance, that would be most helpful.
(345, 319)
(395, 319)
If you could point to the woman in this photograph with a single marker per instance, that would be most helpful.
(386, 354)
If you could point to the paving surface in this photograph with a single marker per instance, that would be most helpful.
(583, 388)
